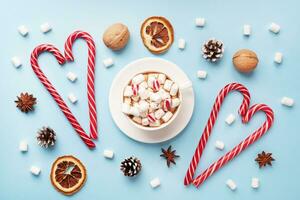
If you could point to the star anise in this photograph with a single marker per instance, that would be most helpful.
(169, 155)
(25, 102)
(264, 159)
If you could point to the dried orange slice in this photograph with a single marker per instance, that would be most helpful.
(68, 174)
(157, 34)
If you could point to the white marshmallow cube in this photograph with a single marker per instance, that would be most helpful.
(230, 119)
(200, 21)
(35, 170)
(155, 124)
(155, 182)
(167, 116)
(108, 154)
(219, 145)
(73, 99)
(201, 74)
(45, 27)
(155, 97)
(144, 85)
(231, 184)
(164, 94)
(16, 61)
(128, 91)
(278, 57)
(287, 101)
(175, 102)
(161, 78)
(275, 28)
(143, 106)
(23, 30)
(144, 94)
(145, 121)
(23, 146)
(108, 62)
(72, 76)
(134, 111)
(138, 79)
(151, 79)
(137, 120)
(247, 30)
(126, 108)
(181, 44)
(168, 84)
(174, 89)
(159, 113)
(255, 183)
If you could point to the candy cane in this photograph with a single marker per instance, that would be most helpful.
(155, 85)
(246, 116)
(61, 60)
(90, 75)
(135, 89)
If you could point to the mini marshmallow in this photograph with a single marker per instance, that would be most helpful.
(231, 184)
(73, 99)
(134, 111)
(128, 91)
(23, 146)
(154, 105)
(144, 85)
(145, 122)
(275, 28)
(108, 154)
(164, 95)
(35, 170)
(175, 102)
(127, 100)
(138, 79)
(230, 119)
(168, 84)
(137, 120)
(143, 106)
(144, 94)
(155, 182)
(247, 30)
(72, 76)
(201, 74)
(23, 30)
(200, 21)
(155, 97)
(126, 108)
(161, 78)
(159, 113)
(174, 89)
(181, 44)
(151, 79)
(278, 57)
(45, 27)
(219, 145)
(16, 61)
(255, 183)
(167, 116)
(155, 124)
(135, 98)
(287, 101)
(108, 62)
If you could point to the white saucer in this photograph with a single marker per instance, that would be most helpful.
(116, 92)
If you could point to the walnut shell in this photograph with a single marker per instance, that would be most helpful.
(116, 36)
(245, 60)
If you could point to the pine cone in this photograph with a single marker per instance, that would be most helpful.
(212, 50)
(131, 166)
(46, 137)
(25, 102)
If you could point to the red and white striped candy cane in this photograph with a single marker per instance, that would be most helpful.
(61, 60)
(90, 74)
(246, 116)
(135, 89)
(155, 85)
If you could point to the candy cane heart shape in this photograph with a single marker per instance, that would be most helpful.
(246, 116)
(90, 74)
(61, 60)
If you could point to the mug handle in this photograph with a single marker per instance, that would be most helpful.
(185, 85)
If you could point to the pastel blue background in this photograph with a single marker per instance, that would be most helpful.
(225, 20)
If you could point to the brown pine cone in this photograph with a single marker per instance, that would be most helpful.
(213, 50)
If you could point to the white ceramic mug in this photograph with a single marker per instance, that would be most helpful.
(183, 86)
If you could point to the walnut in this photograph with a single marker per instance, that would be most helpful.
(116, 36)
(245, 60)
